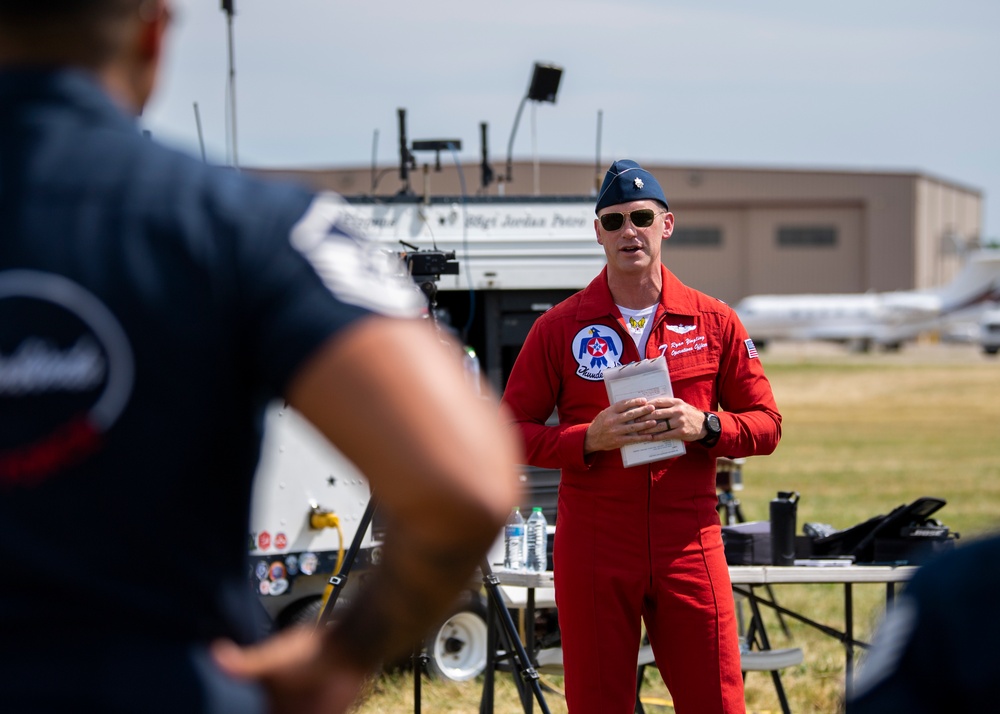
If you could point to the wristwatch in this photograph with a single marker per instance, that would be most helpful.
(714, 428)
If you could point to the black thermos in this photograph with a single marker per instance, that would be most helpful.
(783, 510)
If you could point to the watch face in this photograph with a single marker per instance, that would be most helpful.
(712, 423)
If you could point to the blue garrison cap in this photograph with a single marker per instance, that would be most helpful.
(627, 181)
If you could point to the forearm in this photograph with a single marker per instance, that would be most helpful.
(412, 587)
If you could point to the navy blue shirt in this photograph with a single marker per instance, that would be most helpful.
(150, 307)
(937, 649)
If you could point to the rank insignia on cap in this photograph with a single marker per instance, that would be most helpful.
(625, 182)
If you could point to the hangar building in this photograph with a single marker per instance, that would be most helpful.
(745, 231)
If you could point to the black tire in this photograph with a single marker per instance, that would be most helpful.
(301, 612)
(457, 648)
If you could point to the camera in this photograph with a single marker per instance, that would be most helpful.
(425, 265)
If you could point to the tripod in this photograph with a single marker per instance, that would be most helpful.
(528, 683)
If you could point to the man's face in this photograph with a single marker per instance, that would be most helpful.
(630, 248)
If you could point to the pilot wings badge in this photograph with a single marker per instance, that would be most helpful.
(681, 329)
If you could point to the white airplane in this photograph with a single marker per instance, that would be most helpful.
(864, 319)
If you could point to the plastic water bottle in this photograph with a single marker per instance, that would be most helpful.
(537, 537)
(513, 541)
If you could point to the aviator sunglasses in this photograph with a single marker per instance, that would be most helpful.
(641, 218)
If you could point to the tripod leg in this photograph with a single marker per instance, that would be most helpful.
(524, 692)
(528, 673)
(486, 702)
(416, 682)
(419, 663)
(339, 580)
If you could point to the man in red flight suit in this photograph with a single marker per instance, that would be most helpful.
(642, 543)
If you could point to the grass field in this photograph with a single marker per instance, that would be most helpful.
(862, 434)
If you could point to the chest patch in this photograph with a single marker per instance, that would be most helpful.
(596, 347)
(681, 329)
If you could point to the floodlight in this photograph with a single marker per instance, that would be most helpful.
(543, 88)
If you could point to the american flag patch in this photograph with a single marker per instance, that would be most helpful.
(751, 350)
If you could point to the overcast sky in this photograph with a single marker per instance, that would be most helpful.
(882, 85)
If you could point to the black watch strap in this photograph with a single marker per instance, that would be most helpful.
(714, 428)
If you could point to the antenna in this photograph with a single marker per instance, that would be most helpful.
(486, 173)
(406, 160)
(437, 145)
(374, 155)
(201, 138)
(230, 10)
(597, 158)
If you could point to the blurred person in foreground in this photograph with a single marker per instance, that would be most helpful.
(642, 543)
(936, 649)
(150, 307)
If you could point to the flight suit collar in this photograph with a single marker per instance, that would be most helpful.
(596, 301)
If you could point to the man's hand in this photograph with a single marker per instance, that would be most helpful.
(626, 422)
(675, 419)
(299, 669)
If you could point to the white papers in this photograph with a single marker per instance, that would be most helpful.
(648, 378)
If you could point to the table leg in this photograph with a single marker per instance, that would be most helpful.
(529, 643)
(757, 620)
(849, 637)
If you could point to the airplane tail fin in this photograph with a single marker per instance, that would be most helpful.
(978, 281)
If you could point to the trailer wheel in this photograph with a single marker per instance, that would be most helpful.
(301, 612)
(457, 649)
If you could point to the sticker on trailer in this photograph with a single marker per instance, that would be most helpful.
(264, 540)
(309, 563)
(280, 541)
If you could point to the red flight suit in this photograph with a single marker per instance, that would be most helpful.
(642, 542)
